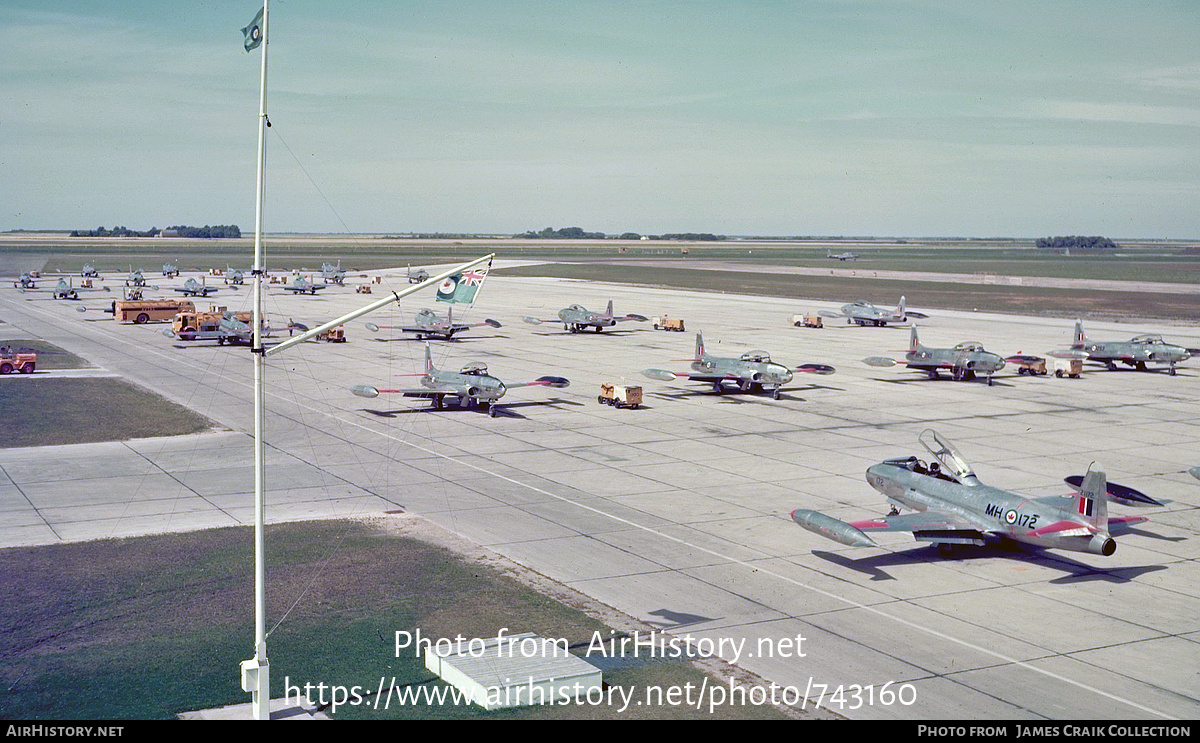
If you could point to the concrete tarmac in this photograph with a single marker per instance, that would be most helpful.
(677, 513)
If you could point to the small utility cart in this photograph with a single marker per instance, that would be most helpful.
(1068, 368)
(1032, 365)
(619, 396)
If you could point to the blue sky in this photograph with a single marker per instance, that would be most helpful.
(916, 118)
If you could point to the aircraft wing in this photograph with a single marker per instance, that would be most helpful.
(926, 524)
(557, 382)
(631, 316)
(366, 391)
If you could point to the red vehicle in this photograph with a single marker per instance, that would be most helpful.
(23, 360)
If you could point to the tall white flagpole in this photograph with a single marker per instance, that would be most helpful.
(256, 677)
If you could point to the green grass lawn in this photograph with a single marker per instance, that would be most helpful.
(81, 410)
(149, 627)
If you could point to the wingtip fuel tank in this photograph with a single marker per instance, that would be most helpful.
(831, 528)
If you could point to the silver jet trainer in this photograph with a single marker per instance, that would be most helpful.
(472, 385)
(865, 313)
(578, 318)
(965, 361)
(1135, 352)
(751, 372)
(430, 324)
(953, 507)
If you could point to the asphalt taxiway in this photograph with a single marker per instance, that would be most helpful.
(677, 513)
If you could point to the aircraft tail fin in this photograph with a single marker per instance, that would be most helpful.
(1080, 337)
(429, 368)
(914, 343)
(610, 308)
(1091, 502)
(699, 345)
(900, 307)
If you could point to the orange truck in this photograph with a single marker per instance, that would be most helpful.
(150, 310)
(12, 359)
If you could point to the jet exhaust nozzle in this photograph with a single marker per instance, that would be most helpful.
(831, 528)
(1102, 544)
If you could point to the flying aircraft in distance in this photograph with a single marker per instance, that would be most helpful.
(1135, 352)
(429, 324)
(418, 277)
(865, 313)
(578, 318)
(841, 256)
(472, 385)
(751, 372)
(170, 270)
(965, 361)
(301, 285)
(193, 288)
(953, 507)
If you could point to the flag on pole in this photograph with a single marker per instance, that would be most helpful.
(461, 287)
(253, 32)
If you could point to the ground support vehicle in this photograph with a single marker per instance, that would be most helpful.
(668, 323)
(1068, 368)
(620, 396)
(151, 310)
(22, 360)
(809, 320)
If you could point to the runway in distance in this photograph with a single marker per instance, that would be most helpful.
(751, 372)
(430, 324)
(578, 318)
(965, 360)
(864, 313)
(471, 385)
(1135, 352)
(954, 508)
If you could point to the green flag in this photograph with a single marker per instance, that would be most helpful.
(253, 32)
(461, 287)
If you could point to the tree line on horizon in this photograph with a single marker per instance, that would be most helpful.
(1074, 241)
(577, 233)
(220, 230)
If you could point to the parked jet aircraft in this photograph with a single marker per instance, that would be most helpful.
(301, 285)
(865, 313)
(170, 270)
(193, 288)
(135, 278)
(430, 324)
(953, 507)
(965, 361)
(89, 271)
(234, 276)
(418, 277)
(751, 372)
(1135, 352)
(65, 290)
(578, 318)
(25, 281)
(472, 385)
(333, 274)
(842, 256)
